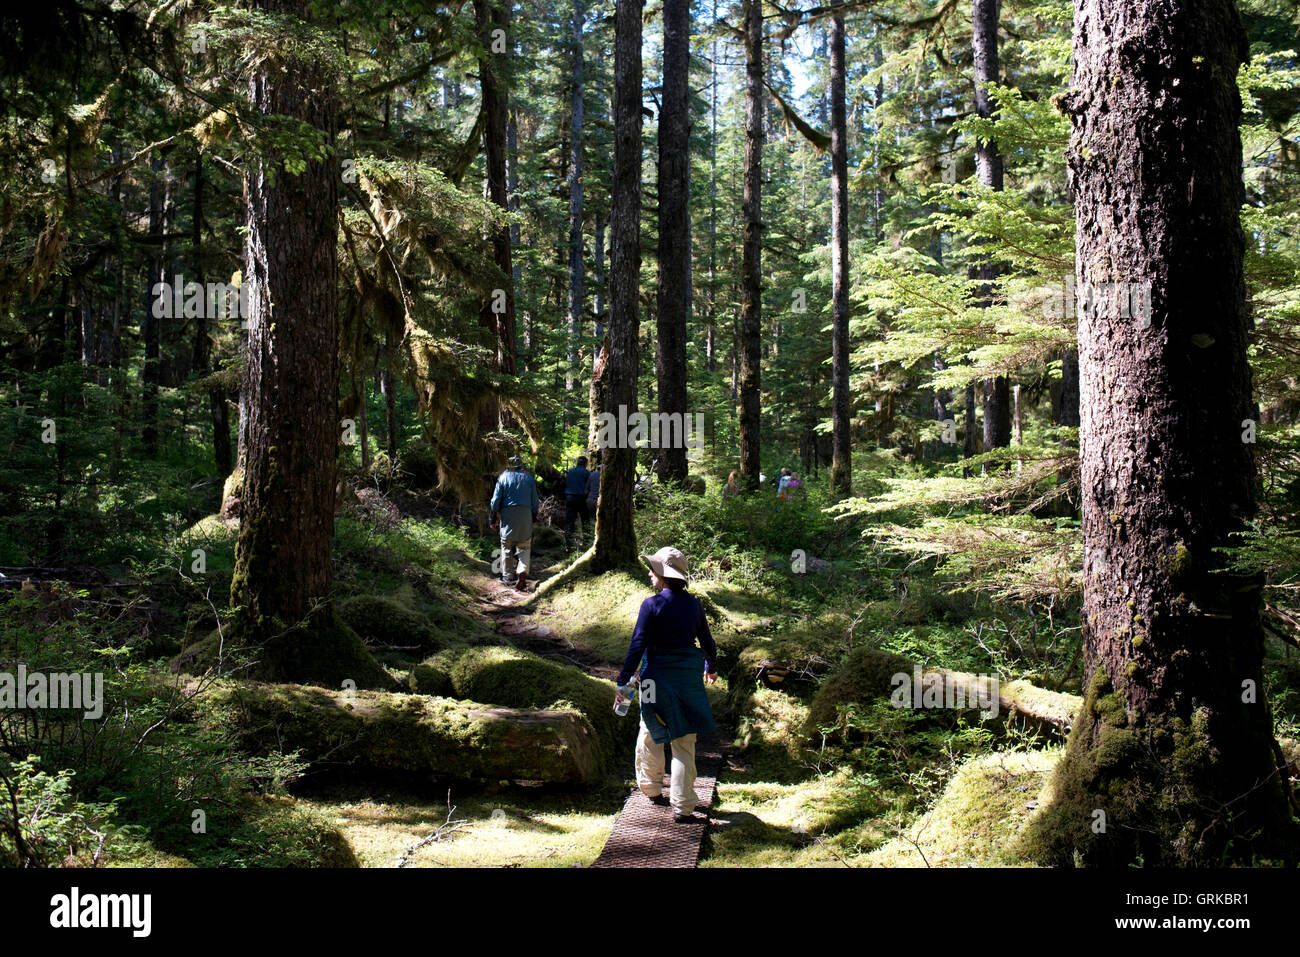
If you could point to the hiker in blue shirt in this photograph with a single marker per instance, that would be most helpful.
(674, 707)
(514, 507)
(593, 492)
(575, 501)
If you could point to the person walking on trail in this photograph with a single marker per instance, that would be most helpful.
(575, 501)
(781, 485)
(514, 508)
(674, 707)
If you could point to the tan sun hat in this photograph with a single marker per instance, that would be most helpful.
(668, 562)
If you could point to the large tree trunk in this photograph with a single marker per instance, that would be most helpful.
(489, 17)
(751, 297)
(575, 219)
(674, 229)
(1174, 744)
(842, 462)
(282, 564)
(615, 544)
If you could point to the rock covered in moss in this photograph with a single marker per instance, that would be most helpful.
(864, 674)
(384, 621)
(519, 679)
(428, 677)
(380, 731)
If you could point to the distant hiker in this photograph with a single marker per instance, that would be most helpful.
(674, 707)
(731, 489)
(782, 483)
(790, 487)
(593, 491)
(575, 501)
(514, 506)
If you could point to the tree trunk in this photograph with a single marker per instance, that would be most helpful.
(489, 17)
(598, 307)
(615, 544)
(1173, 749)
(842, 463)
(751, 319)
(710, 336)
(150, 330)
(988, 169)
(282, 562)
(575, 218)
(674, 225)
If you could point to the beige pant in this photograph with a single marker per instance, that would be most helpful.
(650, 770)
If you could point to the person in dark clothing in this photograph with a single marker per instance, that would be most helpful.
(575, 501)
(674, 707)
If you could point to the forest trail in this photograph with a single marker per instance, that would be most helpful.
(644, 834)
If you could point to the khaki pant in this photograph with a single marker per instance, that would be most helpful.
(650, 770)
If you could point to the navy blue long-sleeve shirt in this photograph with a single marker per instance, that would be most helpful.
(575, 481)
(670, 619)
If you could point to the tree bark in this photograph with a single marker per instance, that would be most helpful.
(674, 226)
(988, 169)
(282, 574)
(842, 461)
(575, 217)
(751, 317)
(492, 16)
(615, 544)
(1174, 743)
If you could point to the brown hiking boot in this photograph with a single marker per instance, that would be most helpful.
(522, 583)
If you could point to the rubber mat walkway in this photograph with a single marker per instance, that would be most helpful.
(646, 835)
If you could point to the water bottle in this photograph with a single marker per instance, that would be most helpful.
(622, 705)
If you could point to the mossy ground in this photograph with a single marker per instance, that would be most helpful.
(512, 828)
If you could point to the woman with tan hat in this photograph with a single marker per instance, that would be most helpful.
(674, 707)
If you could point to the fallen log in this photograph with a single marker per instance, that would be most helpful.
(869, 673)
(383, 731)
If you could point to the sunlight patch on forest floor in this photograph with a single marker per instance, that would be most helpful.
(508, 829)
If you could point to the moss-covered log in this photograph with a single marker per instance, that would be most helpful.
(869, 673)
(379, 731)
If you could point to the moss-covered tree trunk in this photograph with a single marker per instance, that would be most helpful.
(615, 538)
(282, 565)
(1172, 759)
